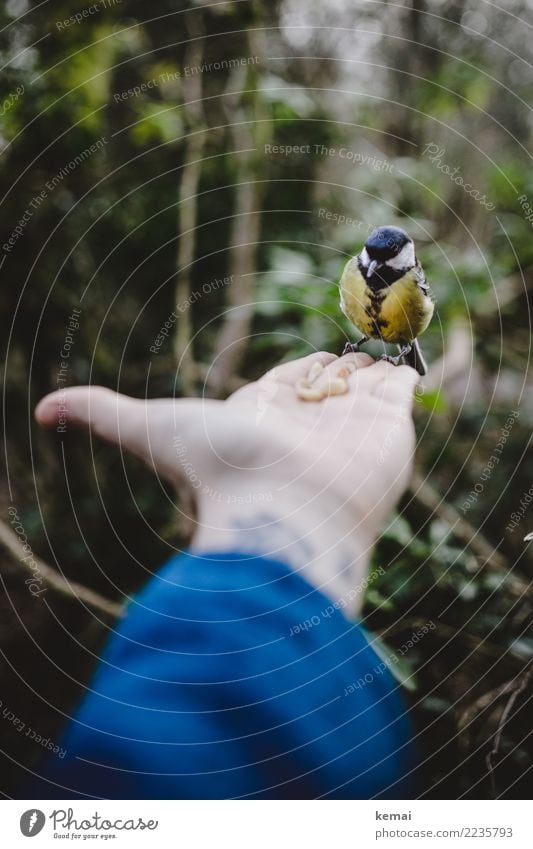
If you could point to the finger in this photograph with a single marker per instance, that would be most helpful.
(101, 410)
(345, 368)
(320, 382)
(147, 428)
(394, 384)
(297, 369)
(359, 359)
(390, 384)
(116, 418)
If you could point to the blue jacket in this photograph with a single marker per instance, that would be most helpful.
(232, 677)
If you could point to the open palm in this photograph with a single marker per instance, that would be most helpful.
(264, 455)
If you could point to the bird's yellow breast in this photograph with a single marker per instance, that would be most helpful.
(398, 313)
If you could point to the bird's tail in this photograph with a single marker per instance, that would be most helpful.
(415, 359)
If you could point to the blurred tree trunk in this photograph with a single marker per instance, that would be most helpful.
(249, 138)
(188, 202)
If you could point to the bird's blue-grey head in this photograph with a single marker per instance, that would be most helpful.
(387, 246)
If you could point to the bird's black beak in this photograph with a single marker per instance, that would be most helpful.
(374, 265)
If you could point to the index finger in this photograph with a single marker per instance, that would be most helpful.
(298, 369)
(394, 384)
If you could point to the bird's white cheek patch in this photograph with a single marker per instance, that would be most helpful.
(405, 259)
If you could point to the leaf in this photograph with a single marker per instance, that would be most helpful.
(434, 401)
(374, 598)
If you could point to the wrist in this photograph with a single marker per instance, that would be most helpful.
(315, 534)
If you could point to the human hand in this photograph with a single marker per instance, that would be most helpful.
(308, 483)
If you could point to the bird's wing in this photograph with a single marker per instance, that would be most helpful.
(420, 278)
(343, 307)
(347, 267)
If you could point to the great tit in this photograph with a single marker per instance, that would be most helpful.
(385, 295)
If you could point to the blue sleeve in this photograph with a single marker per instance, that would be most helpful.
(231, 677)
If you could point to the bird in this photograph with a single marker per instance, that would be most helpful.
(384, 294)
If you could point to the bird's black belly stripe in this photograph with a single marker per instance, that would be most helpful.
(377, 296)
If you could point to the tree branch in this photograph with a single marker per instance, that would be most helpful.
(521, 684)
(55, 581)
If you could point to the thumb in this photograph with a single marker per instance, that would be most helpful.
(100, 410)
(146, 428)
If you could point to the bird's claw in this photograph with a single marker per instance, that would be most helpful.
(386, 358)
